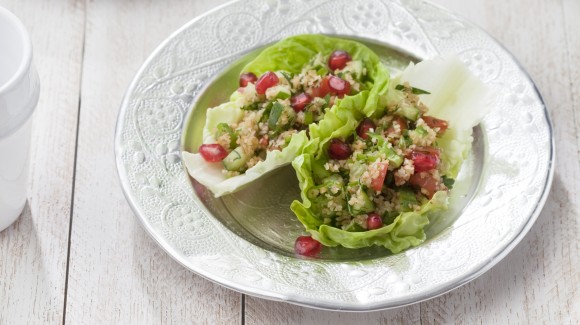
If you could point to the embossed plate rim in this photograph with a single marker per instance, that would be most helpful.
(295, 297)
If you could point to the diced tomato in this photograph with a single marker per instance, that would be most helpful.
(267, 80)
(264, 141)
(299, 102)
(338, 60)
(433, 123)
(322, 90)
(374, 221)
(377, 182)
(246, 78)
(338, 86)
(212, 152)
(401, 122)
(425, 158)
(425, 182)
(307, 246)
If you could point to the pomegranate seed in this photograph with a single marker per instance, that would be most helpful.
(338, 60)
(307, 246)
(246, 78)
(338, 149)
(364, 127)
(433, 123)
(339, 86)
(212, 152)
(425, 159)
(300, 101)
(267, 80)
(374, 221)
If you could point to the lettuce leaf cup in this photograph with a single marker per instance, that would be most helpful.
(374, 173)
(284, 93)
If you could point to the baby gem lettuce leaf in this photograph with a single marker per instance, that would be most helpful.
(212, 177)
(458, 97)
(292, 53)
(455, 95)
(404, 232)
(289, 55)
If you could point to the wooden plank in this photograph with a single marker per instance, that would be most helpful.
(537, 283)
(571, 13)
(118, 275)
(33, 251)
(260, 311)
(571, 9)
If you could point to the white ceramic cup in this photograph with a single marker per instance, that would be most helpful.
(19, 90)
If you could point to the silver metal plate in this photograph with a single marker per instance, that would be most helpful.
(244, 241)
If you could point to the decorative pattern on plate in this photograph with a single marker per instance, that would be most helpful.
(518, 159)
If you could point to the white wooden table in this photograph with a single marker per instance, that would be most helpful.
(77, 255)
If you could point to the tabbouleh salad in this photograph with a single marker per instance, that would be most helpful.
(278, 105)
(375, 155)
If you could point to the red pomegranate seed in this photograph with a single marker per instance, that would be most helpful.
(267, 80)
(246, 78)
(374, 221)
(338, 149)
(364, 127)
(212, 152)
(338, 86)
(425, 159)
(338, 60)
(433, 123)
(299, 102)
(307, 246)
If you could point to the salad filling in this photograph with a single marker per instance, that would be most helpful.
(278, 105)
(283, 94)
(389, 164)
(379, 180)
(375, 156)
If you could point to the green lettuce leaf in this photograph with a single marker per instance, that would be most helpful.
(338, 122)
(405, 231)
(456, 96)
(292, 53)
(212, 177)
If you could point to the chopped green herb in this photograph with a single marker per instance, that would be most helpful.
(416, 91)
(288, 76)
(308, 117)
(448, 182)
(251, 107)
(327, 99)
(407, 199)
(275, 114)
(223, 128)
